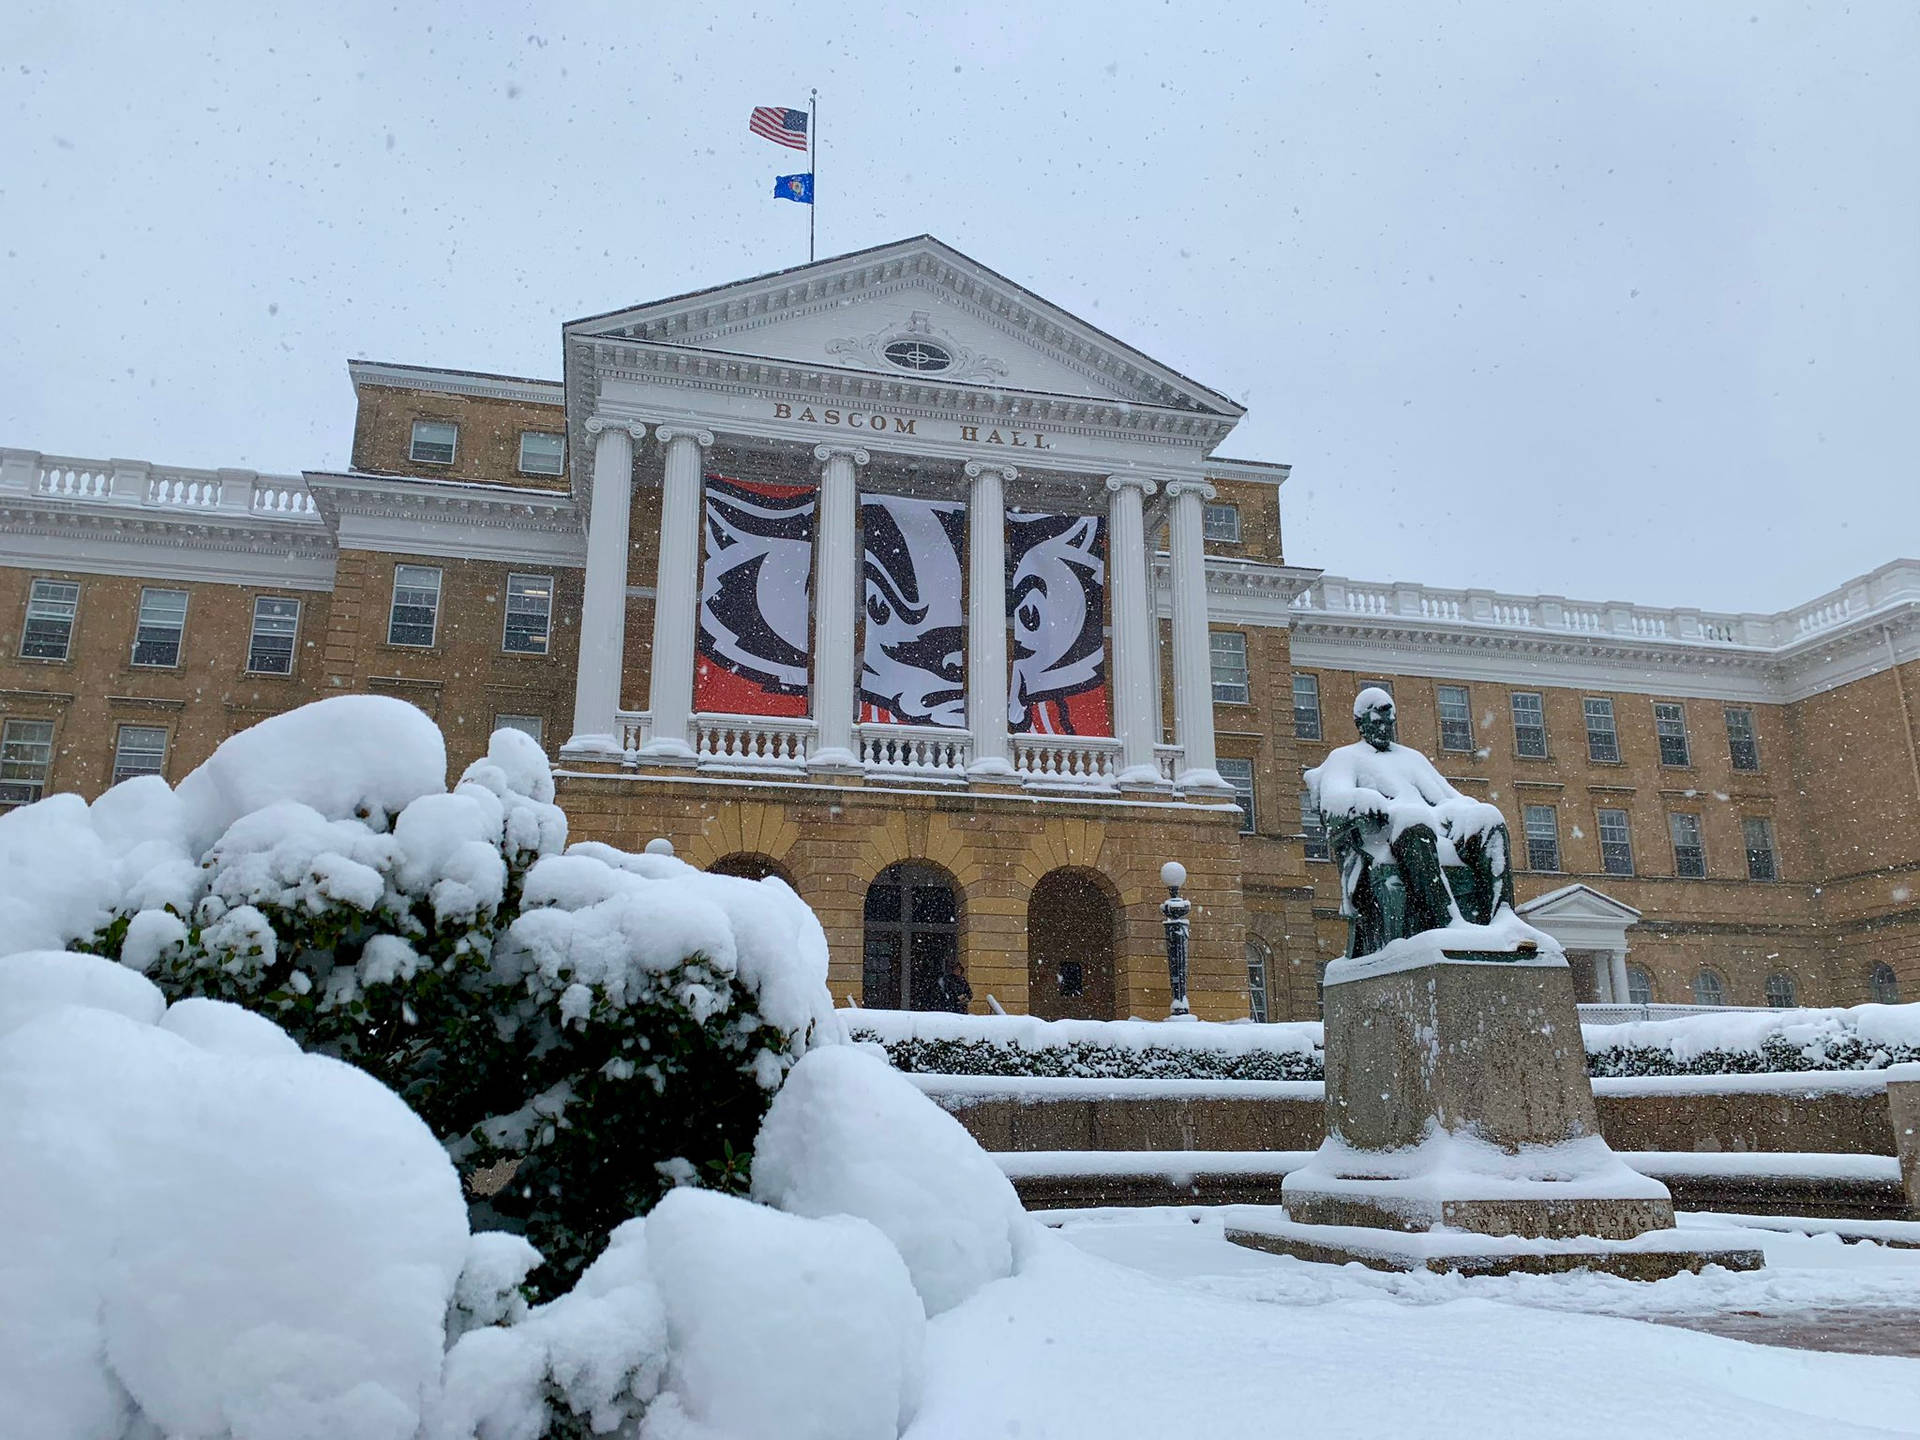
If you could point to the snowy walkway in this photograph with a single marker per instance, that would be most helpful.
(1149, 1324)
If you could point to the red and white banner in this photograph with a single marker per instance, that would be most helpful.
(755, 603)
(1056, 603)
(912, 668)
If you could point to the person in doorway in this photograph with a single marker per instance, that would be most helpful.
(955, 993)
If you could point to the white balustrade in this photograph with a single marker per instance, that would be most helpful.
(1505, 612)
(1078, 762)
(918, 752)
(75, 479)
(1651, 627)
(635, 728)
(1440, 607)
(183, 491)
(1369, 602)
(1816, 618)
(278, 498)
(751, 742)
(136, 484)
(1168, 758)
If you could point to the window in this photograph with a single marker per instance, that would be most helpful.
(1639, 986)
(26, 752)
(1386, 685)
(1229, 649)
(912, 938)
(1603, 745)
(416, 605)
(434, 441)
(1616, 843)
(529, 610)
(1529, 726)
(1543, 837)
(1689, 854)
(1781, 991)
(1762, 864)
(540, 453)
(1306, 707)
(1456, 718)
(1239, 774)
(51, 606)
(528, 724)
(1221, 522)
(1882, 984)
(139, 750)
(1709, 989)
(1742, 744)
(1670, 721)
(276, 622)
(1313, 829)
(163, 620)
(1258, 957)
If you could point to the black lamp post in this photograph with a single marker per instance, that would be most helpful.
(1175, 911)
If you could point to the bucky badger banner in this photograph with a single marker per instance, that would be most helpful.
(911, 670)
(1056, 602)
(754, 604)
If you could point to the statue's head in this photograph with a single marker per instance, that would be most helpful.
(1373, 717)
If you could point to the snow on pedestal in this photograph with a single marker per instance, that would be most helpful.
(1458, 1101)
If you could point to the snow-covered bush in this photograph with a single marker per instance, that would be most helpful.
(1865, 1037)
(587, 1028)
(711, 1317)
(207, 1232)
(849, 1135)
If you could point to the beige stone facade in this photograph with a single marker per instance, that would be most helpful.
(1831, 689)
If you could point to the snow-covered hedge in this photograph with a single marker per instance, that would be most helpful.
(583, 1030)
(1867, 1037)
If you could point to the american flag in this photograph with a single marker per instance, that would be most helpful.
(780, 125)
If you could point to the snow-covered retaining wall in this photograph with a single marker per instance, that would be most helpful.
(1864, 1038)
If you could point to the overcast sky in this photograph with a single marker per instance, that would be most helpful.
(1618, 301)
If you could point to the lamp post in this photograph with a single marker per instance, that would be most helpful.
(1175, 912)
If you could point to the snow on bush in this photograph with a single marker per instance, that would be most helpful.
(206, 1231)
(848, 1135)
(1865, 1037)
(587, 1028)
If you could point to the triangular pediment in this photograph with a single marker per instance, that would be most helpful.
(1578, 902)
(919, 311)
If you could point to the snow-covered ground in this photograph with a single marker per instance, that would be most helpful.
(1149, 1324)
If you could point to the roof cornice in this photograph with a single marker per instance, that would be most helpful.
(472, 383)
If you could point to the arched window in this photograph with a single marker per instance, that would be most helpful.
(1780, 991)
(1709, 989)
(912, 940)
(1259, 961)
(1884, 985)
(1072, 921)
(1639, 985)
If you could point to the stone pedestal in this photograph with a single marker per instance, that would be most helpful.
(1458, 1107)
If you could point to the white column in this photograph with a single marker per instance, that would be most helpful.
(1622, 992)
(676, 594)
(837, 572)
(1192, 657)
(987, 617)
(1134, 716)
(603, 606)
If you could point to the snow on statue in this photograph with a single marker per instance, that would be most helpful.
(1415, 854)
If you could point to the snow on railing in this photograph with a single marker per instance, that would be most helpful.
(636, 728)
(915, 751)
(137, 484)
(751, 742)
(1072, 761)
(1168, 758)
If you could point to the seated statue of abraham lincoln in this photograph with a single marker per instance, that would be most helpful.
(1415, 854)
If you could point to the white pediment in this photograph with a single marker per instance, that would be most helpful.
(917, 310)
(1578, 902)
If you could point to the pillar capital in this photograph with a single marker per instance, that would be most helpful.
(668, 433)
(1177, 488)
(635, 428)
(1117, 483)
(976, 468)
(824, 453)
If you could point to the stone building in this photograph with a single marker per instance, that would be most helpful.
(728, 569)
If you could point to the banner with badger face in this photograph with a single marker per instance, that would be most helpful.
(1056, 603)
(755, 605)
(913, 656)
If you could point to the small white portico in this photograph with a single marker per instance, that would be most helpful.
(1592, 928)
(907, 370)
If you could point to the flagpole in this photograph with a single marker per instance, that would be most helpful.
(813, 164)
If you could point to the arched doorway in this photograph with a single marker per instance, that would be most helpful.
(749, 866)
(1070, 935)
(912, 939)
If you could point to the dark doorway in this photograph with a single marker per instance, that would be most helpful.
(1070, 933)
(749, 866)
(912, 939)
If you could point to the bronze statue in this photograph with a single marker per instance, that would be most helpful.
(1415, 854)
